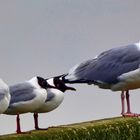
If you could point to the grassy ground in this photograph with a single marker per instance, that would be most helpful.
(106, 129)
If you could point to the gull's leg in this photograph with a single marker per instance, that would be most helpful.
(128, 102)
(18, 124)
(122, 101)
(128, 113)
(36, 122)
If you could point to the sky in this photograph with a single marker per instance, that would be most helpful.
(46, 38)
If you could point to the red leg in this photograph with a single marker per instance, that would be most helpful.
(36, 122)
(18, 124)
(128, 113)
(122, 101)
(128, 102)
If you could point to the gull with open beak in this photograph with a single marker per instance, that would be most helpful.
(55, 96)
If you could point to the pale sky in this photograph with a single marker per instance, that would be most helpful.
(47, 38)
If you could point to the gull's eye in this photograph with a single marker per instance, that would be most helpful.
(44, 84)
(59, 84)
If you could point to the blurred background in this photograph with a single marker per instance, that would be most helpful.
(47, 38)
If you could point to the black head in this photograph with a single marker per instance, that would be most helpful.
(59, 84)
(42, 82)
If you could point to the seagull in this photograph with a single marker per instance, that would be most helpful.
(4, 96)
(117, 69)
(55, 96)
(26, 97)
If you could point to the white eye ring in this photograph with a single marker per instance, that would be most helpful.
(51, 82)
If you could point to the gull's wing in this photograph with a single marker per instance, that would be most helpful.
(21, 92)
(106, 67)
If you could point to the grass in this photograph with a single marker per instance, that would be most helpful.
(106, 129)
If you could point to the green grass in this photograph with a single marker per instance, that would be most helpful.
(106, 129)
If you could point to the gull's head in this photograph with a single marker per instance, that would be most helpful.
(39, 82)
(42, 82)
(58, 83)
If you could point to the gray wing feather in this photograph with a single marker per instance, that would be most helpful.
(50, 96)
(21, 92)
(109, 65)
(2, 95)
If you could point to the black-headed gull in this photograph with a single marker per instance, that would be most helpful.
(117, 69)
(55, 96)
(27, 97)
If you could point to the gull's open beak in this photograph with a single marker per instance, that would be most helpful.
(70, 88)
